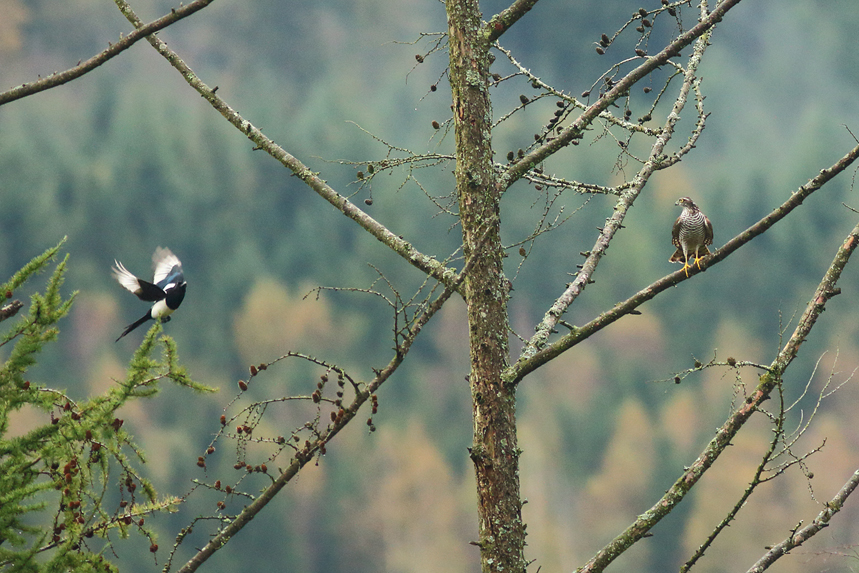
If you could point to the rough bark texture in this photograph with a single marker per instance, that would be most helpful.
(494, 452)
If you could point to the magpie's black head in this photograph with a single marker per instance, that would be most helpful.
(174, 295)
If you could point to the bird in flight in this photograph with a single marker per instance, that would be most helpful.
(166, 290)
(691, 234)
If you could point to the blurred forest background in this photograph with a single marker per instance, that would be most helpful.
(129, 158)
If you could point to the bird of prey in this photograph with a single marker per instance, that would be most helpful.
(691, 234)
(166, 290)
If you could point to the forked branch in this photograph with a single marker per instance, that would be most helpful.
(528, 363)
(624, 203)
(797, 538)
(363, 393)
(570, 133)
(425, 263)
(726, 433)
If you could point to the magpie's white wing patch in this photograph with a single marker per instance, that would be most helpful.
(128, 281)
(164, 260)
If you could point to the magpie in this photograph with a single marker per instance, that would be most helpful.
(166, 290)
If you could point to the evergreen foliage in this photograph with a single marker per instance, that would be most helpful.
(69, 486)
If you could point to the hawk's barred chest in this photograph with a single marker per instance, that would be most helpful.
(691, 226)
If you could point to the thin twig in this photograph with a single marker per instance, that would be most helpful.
(527, 363)
(797, 538)
(425, 263)
(726, 433)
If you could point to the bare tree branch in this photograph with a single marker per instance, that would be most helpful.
(532, 159)
(536, 81)
(799, 537)
(425, 263)
(726, 433)
(624, 203)
(306, 454)
(780, 445)
(527, 363)
(502, 21)
(143, 30)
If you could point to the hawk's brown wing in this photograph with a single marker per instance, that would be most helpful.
(675, 233)
(708, 231)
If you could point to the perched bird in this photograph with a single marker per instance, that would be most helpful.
(166, 290)
(691, 234)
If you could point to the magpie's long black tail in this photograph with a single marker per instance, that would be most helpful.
(135, 324)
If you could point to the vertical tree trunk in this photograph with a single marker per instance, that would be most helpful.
(494, 452)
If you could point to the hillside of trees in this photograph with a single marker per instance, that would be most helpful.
(128, 158)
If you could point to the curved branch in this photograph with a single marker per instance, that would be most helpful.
(306, 454)
(82, 68)
(625, 201)
(425, 263)
(797, 538)
(537, 82)
(528, 363)
(724, 435)
(623, 86)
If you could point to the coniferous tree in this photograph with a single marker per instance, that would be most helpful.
(70, 486)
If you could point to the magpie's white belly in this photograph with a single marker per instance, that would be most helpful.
(160, 309)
